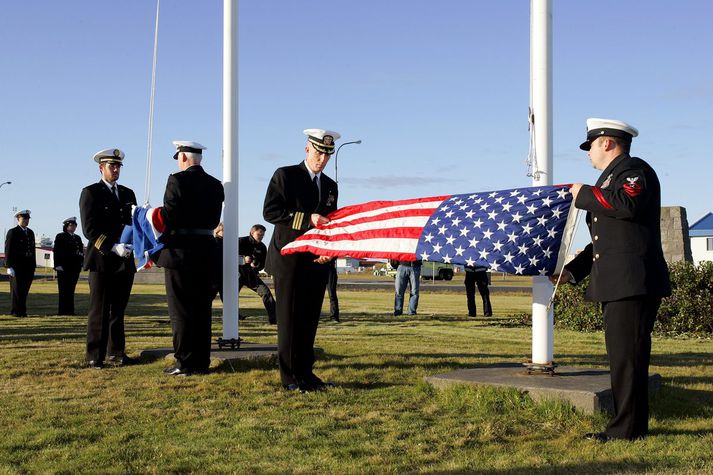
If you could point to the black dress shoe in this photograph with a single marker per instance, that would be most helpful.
(122, 360)
(488, 314)
(301, 386)
(316, 382)
(241, 317)
(173, 371)
(94, 364)
(334, 318)
(272, 322)
(598, 436)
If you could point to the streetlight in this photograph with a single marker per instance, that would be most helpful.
(336, 155)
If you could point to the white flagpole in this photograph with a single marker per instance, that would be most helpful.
(230, 170)
(541, 100)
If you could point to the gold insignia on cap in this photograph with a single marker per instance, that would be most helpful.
(117, 152)
(328, 140)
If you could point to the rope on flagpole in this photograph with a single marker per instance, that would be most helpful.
(566, 253)
(149, 150)
(532, 168)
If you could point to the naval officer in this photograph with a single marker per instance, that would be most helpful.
(192, 204)
(628, 274)
(68, 259)
(20, 261)
(299, 197)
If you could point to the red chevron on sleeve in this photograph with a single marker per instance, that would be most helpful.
(632, 189)
(598, 195)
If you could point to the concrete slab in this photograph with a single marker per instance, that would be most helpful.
(247, 351)
(587, 389)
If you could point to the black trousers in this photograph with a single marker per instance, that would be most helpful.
(481, 280)
(19, 288)
(332, 290)
(66, 285)
(299, 303)
(190, 294)
(628, 324)
(108, 296)
(250, 279)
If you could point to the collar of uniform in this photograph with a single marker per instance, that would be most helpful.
(109, 185)
(614, 163)
(312, 174)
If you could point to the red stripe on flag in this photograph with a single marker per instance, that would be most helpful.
(157, 220)
(405, 213)
(375, 205)
(598, 195)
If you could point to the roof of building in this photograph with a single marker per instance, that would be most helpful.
(702, 227)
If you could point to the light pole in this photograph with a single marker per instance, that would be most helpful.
(336, 156)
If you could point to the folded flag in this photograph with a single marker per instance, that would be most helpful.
(145, 233)
(518, 231)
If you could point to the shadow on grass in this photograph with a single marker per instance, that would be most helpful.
(587, 467)
(674, 402)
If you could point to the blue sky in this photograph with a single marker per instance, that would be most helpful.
(437, 91)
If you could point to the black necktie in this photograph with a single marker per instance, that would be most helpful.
(315, 180)
(113, 191)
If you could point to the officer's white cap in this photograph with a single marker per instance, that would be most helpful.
(72, 219)
(608, 128)
(187, 146)
(109, 155)
(24, 212)
(323, 140)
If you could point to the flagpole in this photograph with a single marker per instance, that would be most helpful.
(541, 103)
(230, 173)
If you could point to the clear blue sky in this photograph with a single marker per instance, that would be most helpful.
(437, 91)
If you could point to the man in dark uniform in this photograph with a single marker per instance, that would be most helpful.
(192, 204)
(298, 198)
(628, 274)
(254, 253)
(105, 208)
(477, 276)
(68, 259)
(20, 262)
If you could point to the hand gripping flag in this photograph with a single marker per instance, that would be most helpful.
(519, 231)
(144, 234)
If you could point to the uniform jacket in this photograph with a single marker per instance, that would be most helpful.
(248, 246)
(623, 215)
(192, 204)
(103, 219)
(20, 249)
(290, 200)
(68, 252)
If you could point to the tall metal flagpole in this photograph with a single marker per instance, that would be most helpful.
(541, 100)
(230, 170)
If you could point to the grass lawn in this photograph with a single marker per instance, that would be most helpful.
(56, 417)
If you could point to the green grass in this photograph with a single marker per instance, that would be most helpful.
(56, 417)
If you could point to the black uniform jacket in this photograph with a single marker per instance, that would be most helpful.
(20, 249)
(192, 204)
(68, 252)
(290, 200)
(248, 246)
(103, 219)
(623, 214)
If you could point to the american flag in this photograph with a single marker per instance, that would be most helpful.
(518, 231)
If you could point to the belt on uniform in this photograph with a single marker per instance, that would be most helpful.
(191, 232)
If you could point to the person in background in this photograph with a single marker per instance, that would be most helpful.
(300, 197)
(20, 261)
(192, 204)
(105, 208)
(68, 259)
(477, 276)
(332, 291)
(407, 273)
(218, 234)
(628, 273)
(254, 253)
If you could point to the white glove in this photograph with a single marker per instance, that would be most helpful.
(11, 272)
(59, 269)
(122, 250)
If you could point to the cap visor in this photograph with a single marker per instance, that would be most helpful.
(586, 146)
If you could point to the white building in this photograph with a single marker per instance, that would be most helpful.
(347, 264)
(701, 234)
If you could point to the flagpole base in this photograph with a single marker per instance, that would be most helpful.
(540, 368)
(233, 343)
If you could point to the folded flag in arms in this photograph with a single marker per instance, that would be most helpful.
(519, 231)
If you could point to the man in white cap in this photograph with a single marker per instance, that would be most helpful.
(105, 208)
(299, 197)
(68, 259)
(192, 204)
(20, 262)
(628, 273)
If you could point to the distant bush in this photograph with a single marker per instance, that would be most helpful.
(689, 309)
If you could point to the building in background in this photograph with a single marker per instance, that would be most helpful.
(701, 233)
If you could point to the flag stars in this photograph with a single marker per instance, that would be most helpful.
(531, 209)
(547, 201)
(508, 258)
(484, 207)
(424, 256)
(494, 266)
(512, 237)
(436, 221)
(527, 228)
(541, 221)
(519, 269)
(523, 248)
(547, 253)
(437, 248)
(459, 251)
(469, 262)
(557, 212)
(537, 240)
(533, 261)
(456, 222)
(464, 232)
(473, 242)
(562, 193)
(521, 199)
(506, 207)
(552, 232)
(487, 233)
(492, 215)
(450, 239)
(515, 217)
(484, 254)
(514, 193)
(497, 245)
(470, 214)
(428, 237)
(447, 259)
(478, 223)
(449, 214)
(502, 225)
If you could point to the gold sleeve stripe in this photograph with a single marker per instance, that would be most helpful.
(297, 221)
(100, 240)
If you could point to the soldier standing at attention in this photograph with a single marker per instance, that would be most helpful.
(628, 273)
(254, 253)
(298, 198)
(20, 261)
(68, 259)
(192, 204)
(105, 208)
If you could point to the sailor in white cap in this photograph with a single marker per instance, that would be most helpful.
(105, 208)
(20, 262)
(68, 259)
(628, 273)
(192, 204)
(300, 197)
